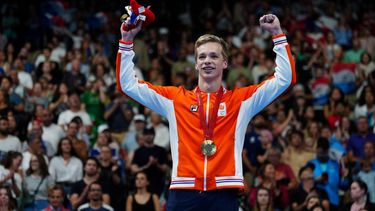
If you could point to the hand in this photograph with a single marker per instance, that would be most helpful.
(271, 24)
(128, 36)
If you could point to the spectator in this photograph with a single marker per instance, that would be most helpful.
(36, 183)
(79, 145)
(15, 100)
(152, 160)
(52, 133)
(142, 199)
(312, 134)
(264, 200)
(295, 154)
(238, 69)
(24, 77)
(101, 141)
(335, 96)
(81, 189)
(95, 199)
(7, 202)
(365, 67)
(359, 199)
(74, 79)
(327, 173)
(279, 193)
(367, 175)
(369, 153)
(355, 52)
(75, 109)
(343, 33)
(366, 105)
(65, 168)
(357, 140)
(161, 131)
(284, 173)
(266, 139)
(55, 199)
(7, 142)
(313, 202)
(11, 173)
(93, 100)
(118, 114)
(35, 97)
(50, 71)
(113, 172)
(300, 196)
(130, 142)
(60, 100)
(35, 147)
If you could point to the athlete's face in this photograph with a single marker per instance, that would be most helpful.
(210, 61)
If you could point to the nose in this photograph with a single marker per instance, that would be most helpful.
(207, 60)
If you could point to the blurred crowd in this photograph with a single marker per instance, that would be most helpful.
(69, 139)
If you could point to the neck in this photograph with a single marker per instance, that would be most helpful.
(307, 186)
(148, 144)
(105, 162)
(262, 207)
(141, 191)
(74, 109)
(36, 172)
(209, 86)
(66, 156)
(95, 204)
(361, 200)
(89, 179)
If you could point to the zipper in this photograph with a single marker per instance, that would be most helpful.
(205, 157)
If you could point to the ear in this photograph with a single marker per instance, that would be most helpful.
(225, 64)
(196, 66)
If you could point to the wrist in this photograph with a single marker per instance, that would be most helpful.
(279, 39)
(125, 45)
(276, 32)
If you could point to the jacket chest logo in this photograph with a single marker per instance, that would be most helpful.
(193, 108)
(222, 111)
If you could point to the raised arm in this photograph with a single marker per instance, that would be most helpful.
(284, 77)
(154, 97)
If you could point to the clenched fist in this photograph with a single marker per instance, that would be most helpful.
(271, 24)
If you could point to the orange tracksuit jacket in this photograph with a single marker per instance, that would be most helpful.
(191, 169)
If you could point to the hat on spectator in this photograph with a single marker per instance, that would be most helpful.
(102, 128)
(139, 118)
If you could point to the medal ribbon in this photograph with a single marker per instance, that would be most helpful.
(208, 128)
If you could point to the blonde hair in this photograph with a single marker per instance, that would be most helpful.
(206, 38)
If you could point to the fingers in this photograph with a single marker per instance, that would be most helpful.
(269, 18)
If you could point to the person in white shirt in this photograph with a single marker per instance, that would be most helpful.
(52, 133)
(7, 142)
(65, 168)
(24, 77)
(161, 131)
(66, 117)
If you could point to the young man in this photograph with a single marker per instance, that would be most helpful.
(207, 124)
(55, 199)
(80, 189)
(95, 199)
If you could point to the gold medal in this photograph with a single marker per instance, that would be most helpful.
(208, 148)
